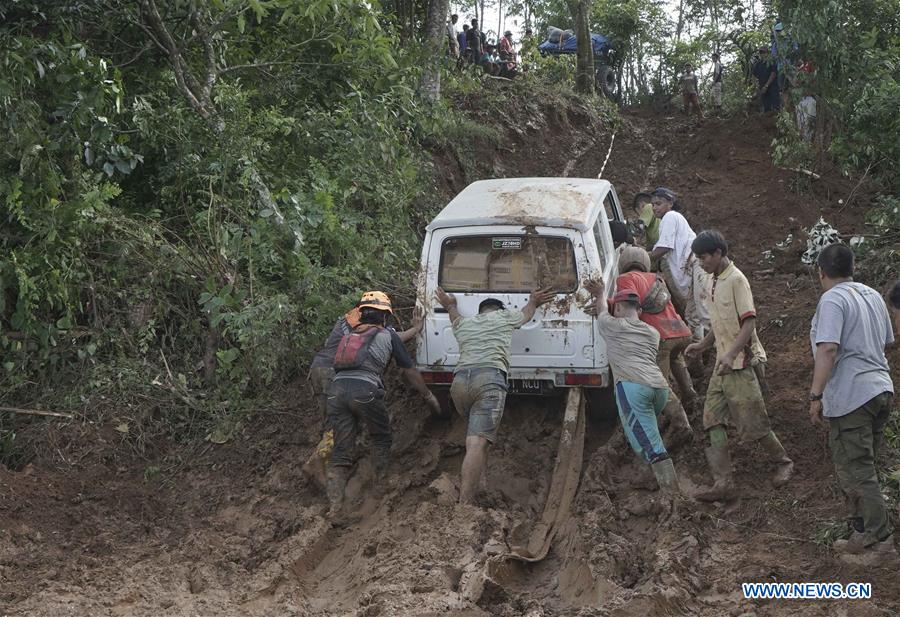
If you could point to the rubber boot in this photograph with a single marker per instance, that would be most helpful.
(776, 454)
(379, 471)
(337, 481)
(686, 392)
(665, 476)
(719, 459)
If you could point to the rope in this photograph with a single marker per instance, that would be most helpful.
(608, 153)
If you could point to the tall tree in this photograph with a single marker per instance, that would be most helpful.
(436, 44)
(584, 65)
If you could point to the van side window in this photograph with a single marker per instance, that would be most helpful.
(598, 238)
(610, 208)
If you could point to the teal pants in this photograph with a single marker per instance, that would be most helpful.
(638, 407)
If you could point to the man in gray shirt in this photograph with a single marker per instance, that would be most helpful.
(852, 389)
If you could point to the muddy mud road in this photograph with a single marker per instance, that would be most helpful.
(86, 530)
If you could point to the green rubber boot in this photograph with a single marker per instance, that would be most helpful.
(719, 459)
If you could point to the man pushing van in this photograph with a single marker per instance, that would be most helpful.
(480, 377)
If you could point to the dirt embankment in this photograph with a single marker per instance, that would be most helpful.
(236, 530)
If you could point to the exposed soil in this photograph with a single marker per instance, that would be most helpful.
(236, 530)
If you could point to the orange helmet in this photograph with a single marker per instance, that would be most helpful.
(376, 300)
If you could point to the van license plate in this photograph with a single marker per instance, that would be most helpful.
(527, 386)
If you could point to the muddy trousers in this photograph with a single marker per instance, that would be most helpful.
(690, 303)
(638, 407)
(671, 362)
(320, 379)
(350, 402)
(854, 440)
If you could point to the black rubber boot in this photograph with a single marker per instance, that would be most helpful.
(337, 481)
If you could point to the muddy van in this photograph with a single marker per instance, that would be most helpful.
(503, 238)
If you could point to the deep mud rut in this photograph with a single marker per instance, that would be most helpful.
(237, 531)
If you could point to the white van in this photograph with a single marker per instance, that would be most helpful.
(503, 238)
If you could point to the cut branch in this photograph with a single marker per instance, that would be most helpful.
(38, 412)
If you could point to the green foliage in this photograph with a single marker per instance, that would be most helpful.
(193, 262)
(12, 454)
(857, 77)
(878, 253)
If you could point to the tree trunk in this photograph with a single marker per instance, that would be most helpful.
(680, 26)
(584, 65)
(435, 44)
(499, 20)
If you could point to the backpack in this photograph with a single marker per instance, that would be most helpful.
(353, 349)
(657, 299)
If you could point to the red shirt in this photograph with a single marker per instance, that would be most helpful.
(667, 323)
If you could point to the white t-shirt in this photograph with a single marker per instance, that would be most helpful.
(676, 234)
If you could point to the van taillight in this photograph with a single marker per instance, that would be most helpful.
(574, 379)
(437, 377)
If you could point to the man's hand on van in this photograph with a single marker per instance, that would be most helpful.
(444, 299)
(415, 326)
(537, 298)
(595, 287)
(541, 296)
(448, 301)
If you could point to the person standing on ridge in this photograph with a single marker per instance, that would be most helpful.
(766, 77)
(690, 89)
(463, 46)
(734, 396)
(717, 84)
(452, 36)
(474, 42)
(852, 389)
(356, 393)
(480, 377)
(641, 388)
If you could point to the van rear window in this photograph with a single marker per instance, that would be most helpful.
(508, 263)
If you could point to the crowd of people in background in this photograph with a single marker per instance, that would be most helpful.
(775, 69)
(470, 47)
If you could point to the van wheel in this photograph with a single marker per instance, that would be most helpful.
(601, 403)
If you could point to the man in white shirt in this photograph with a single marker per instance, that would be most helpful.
(451, 36)
(686, 279)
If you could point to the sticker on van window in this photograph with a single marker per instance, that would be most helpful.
(506, 244)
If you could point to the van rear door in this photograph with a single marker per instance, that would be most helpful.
(506, 262)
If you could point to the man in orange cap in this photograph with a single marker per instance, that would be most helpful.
(356, 393)
(321, 374)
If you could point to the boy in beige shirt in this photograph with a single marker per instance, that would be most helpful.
(734, 397)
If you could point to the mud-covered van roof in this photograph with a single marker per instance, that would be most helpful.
(550, 202)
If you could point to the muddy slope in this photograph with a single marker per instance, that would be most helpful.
(236, 530)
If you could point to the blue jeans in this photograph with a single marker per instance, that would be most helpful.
(351, 401)
(638, 407)
(480, 394)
